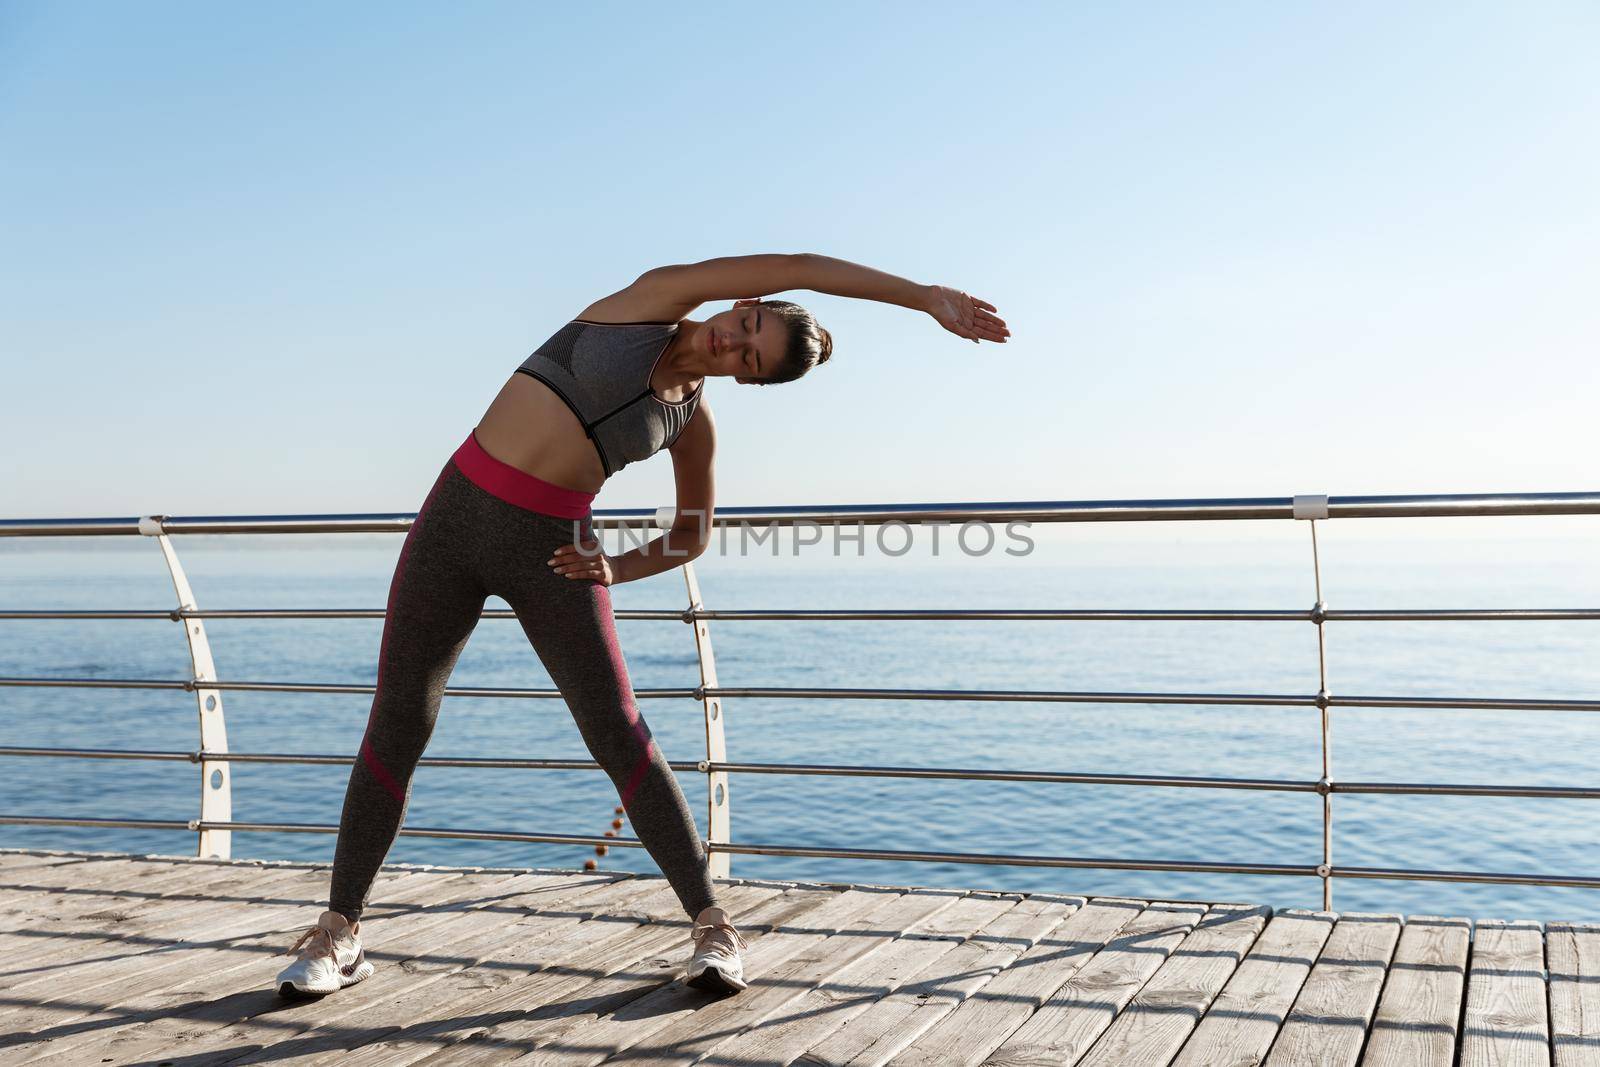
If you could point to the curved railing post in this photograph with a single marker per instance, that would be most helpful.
(216, 777)
(718, 804)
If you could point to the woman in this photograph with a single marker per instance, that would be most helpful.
(509, 516)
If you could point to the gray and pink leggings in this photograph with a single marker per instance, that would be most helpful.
(486, 529)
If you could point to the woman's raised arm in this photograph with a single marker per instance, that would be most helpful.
(688, 285)
(963, 315)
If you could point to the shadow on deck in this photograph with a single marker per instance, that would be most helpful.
(117, 959)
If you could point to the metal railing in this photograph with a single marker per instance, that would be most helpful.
(215, 823)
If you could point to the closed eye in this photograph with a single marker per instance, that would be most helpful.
(758, 330)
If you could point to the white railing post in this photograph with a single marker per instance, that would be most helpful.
(216, 778)
(717, 797)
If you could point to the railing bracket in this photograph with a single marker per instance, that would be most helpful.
(1314, 506)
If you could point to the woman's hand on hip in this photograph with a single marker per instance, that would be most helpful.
(966, 316)
(584, 560)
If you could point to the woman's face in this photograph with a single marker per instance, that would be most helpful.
(746, 342)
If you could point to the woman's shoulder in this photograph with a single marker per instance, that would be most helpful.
(630, 307)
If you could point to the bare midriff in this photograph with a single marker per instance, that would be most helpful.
(531, 428)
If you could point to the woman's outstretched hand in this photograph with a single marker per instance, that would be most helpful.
(966, 316)
(590, 563)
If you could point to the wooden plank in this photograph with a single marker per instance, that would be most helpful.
(32, 919)
(823, 1010)
(111, 936)
(1507, 1019)
(894, 1021)
(70, 889)
(21, 859)
(1074, 1017)
(118, 932)
(225, 1025)
(1242, 1023)
(977, 1025)
(93, 1002)
(20, 888)
(716, 1030)
(18, 857)
(79, 886)
(783, 991)
(1328, 1024)
(12, 862)
(1573, 953)
(1420, 1010)
(13, 853)
(125, 871)
(661, 1006)
(1162, 1015)
(574, 979)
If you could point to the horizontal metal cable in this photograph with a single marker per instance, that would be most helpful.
(131, 824)
(414, 831)
(1464, 615)
(177, 615)
(802, 693)
(984, 774)
(313, 828)
(319, 758)
(1156, 865)
(1010, 860)
(1025, 695)
(976, 774)
(1575, 881)
(303, 687)
(884, 615)
(702, 692)
(1462, 703)
(1153, 615)
(1453, 789)
(99, 683)
(1008, 615)
(1255, 699)
(1179, 781)
(1045, 511)
(77, 616)
(1164, 615)
(749, 849)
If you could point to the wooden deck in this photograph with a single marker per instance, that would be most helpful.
(112, 959)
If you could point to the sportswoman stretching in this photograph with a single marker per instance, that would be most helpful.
(615, 385)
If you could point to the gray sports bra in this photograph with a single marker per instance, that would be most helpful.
(602, 370)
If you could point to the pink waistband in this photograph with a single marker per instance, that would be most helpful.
(517, 486)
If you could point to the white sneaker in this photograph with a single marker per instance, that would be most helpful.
(331, 959)
(716, 965)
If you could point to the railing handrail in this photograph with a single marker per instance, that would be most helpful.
(1407, 505)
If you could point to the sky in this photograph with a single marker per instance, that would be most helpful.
(279, 258)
